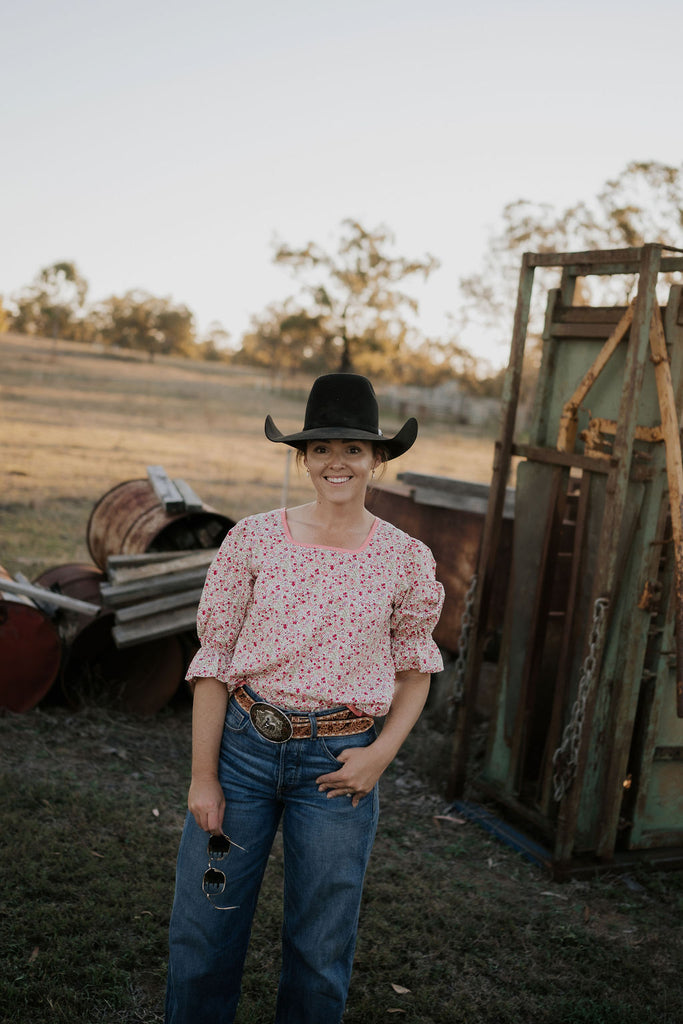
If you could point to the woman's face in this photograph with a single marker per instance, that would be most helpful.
(340, 470)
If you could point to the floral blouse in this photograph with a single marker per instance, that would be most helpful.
(309, 627)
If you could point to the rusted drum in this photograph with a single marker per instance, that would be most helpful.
(30, 652)
(130, 520)
(140, 679)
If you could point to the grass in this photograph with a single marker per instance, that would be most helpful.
(91, 806)
(91, 803)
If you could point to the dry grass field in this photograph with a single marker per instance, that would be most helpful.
(75, 422)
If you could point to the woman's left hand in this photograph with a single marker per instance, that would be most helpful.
(361, 769)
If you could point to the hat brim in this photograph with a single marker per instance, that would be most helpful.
(394, 446)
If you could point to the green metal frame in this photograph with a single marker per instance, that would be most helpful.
(627, 791)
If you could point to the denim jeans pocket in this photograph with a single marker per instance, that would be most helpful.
(332, 746)
(236, 720)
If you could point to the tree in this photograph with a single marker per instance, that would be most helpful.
(53, 305)
(285, 337)
(644, 203)
(354, 314)
(213, 344)
(144, 322)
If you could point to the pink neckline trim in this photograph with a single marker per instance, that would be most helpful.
(325, 547)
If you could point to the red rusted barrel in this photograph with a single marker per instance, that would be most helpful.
(129, 519)
(139, 679)
(30, 651)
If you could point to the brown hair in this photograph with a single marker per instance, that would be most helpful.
(377, 447)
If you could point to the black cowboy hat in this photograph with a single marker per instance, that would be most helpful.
(344, 405)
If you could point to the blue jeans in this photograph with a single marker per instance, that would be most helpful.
(327, 844)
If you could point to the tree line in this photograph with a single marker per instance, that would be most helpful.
(353, 309)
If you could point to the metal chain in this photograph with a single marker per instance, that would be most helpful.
(565, 758)
(463, 643)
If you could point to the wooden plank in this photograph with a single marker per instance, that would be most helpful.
(593, 258)
(553, 457)
(161, 604)
(46, 596)
(146, 558)
(165, 490)
(154, 628)
(191, 501)
(193, 560)
(492, 531)
(674, 472)
(448, 492)
(116, 595)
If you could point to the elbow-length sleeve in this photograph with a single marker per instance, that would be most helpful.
(416, 613)
(224, 602)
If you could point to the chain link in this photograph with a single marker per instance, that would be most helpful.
(463, 642)
(565, 758)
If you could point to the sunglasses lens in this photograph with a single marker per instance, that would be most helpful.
(219, 846)
(213, 882)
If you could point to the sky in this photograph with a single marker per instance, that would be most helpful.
(166, 146)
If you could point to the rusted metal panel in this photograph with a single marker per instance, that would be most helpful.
(454, 536)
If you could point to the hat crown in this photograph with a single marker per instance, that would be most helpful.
(344, 406)
(339, 400)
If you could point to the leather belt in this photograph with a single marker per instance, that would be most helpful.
(278, 726)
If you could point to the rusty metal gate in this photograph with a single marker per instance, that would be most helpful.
(586, 744)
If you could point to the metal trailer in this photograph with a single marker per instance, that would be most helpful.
(586, 744)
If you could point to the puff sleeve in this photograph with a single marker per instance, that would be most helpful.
(416, 612)
(223, 606)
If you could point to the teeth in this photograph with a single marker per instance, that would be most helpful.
(337, 479)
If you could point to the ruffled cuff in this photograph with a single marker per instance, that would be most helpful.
(209, 663)
(423, 656)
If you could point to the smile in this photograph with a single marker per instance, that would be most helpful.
(337, 479)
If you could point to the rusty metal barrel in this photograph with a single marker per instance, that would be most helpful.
(129, 519)
(139, 679)
(30, 651)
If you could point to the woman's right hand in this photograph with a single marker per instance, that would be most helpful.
(207, 804)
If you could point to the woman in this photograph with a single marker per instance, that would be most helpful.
(313, 621)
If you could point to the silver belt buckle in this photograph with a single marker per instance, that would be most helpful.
(270, 722)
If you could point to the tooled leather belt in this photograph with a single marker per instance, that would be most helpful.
(278, 726)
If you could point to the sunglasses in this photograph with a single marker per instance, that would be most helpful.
(214, 880)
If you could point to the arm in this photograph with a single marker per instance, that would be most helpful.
(205, 799)
(364, 765)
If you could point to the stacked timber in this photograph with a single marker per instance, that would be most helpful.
(154, 595)
(118, 631)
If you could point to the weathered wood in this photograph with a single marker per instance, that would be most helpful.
(192, 560)
(165, 490)
(49, 597)
(674, 471)
(606, 576)
(491, 535)
(146, 558)
(447, 492)
(550, 455)
(146, 609)
(116, 595)
(142, 630)
(191, 501)
(568, 419)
